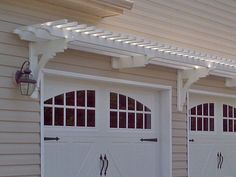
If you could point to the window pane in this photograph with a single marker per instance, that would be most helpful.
(113, 119)
(70, 117)
(122, 119)
(47, 116)
(199, 109)
(59, 100)
(139, 106)
(131, 104)
(211, 124)
(122, 102)
(234, 112)
(193, 111)
(49, 101)
(230, 111)
(59, 116)
(80, 98)
(91, 98)
(90, 118)
(225, 111)
(131, 120)
(113, 100)
(211, 109)
(70, 98)
(234, 125)
(225, 125)
(147, 109)
(147, 121)
(139, 121)
(205, 124)
(199, 123)
(80, 117)
(193, 123)
(205, 109)
(230, 125)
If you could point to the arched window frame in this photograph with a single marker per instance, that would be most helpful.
(128, 113)
(71, 109)
(202, 118)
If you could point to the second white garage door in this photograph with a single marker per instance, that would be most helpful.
(212, 136)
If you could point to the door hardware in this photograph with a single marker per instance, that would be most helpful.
(51, 138)
(191, 140)
(222, 160)
(218, 160)
(101, 160)
(149, 139)
(107, 163)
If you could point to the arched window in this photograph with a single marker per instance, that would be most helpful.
(126, 112)
(72, 109)
(229, 118)
(202, 117)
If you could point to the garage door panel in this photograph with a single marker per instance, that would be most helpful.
(228, 152)
(133, 159)
(202, 160)
(69, 159)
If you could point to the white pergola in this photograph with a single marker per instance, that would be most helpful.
(127, 51)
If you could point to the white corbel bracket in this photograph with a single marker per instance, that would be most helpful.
(185, 79)
(39, 55)
(129, 62)
(230, 82)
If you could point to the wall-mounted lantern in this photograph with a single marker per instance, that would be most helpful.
(25, 80)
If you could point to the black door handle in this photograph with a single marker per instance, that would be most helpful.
(51, 138)
(222, 160)
(218, 160)
(101, 160)
(191, 140)
(107, 164)
(149, 139)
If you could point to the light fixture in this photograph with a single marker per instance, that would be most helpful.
(25, 80)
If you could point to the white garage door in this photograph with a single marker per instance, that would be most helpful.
(212, 136)
(94, 129)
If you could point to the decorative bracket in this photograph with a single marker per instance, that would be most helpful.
(184, 81)
(230, 82)
(129, 62)
(39, 55)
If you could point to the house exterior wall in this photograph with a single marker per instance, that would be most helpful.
(19, 116)
(213, 84)
(205, 26)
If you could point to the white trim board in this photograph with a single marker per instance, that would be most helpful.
(166, 96)
(203, 92)
(104, 79)
(42, 123)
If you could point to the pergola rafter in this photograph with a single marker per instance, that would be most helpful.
(126, 50)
